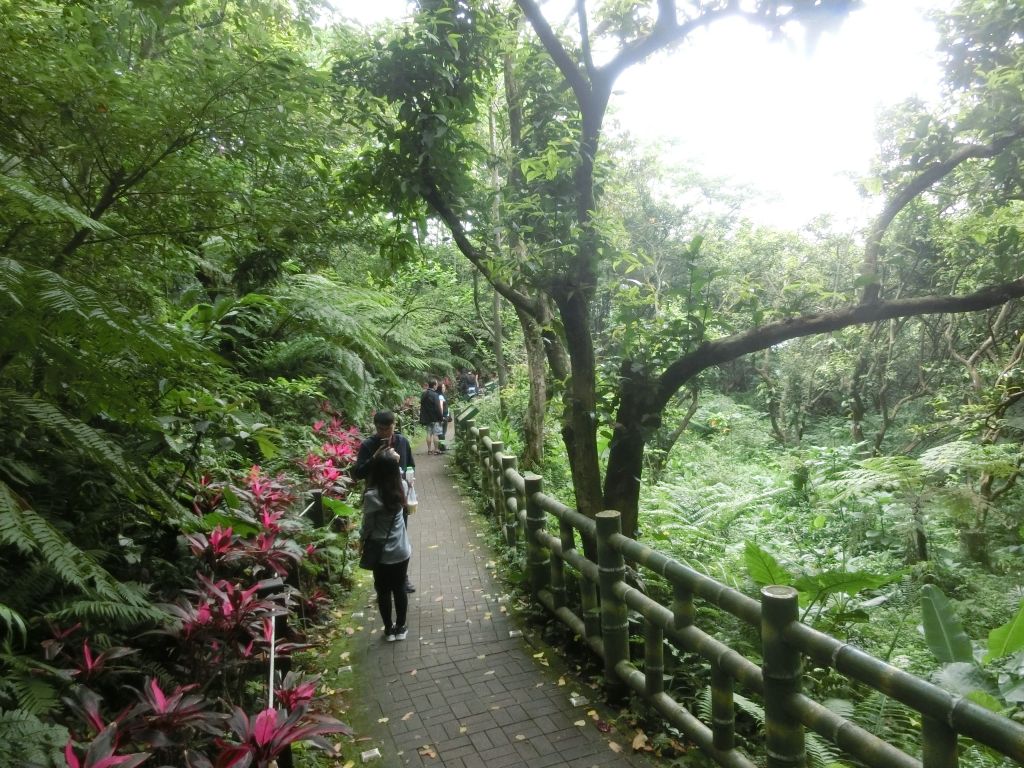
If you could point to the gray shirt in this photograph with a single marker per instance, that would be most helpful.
(376, 522)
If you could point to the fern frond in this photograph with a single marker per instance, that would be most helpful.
(48, 206)
(1001, 460)
(27, 740)
(14, 622)
(71, 431)
(12, 275)
(887, 719)
(31, 534)
(880, 473)
(88, 441)
(110, 613)
(34, 695)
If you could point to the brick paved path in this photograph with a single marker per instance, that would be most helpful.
(460, 685)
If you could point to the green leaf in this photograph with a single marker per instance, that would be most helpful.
(986, 700)
(763, 567)
(831, 582)
(942, 629)
(1007, 639)
(340, 508)
(237, 524)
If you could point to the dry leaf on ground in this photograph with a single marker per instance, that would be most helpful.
(614, 746)
(427, 751)
(407, 715)
(640, 742)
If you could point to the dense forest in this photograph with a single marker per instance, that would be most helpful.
(230, 231)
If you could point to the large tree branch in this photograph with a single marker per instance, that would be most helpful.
(437, 202)
(903, 197)
(555, 49)
(712, 353)
(667, 31)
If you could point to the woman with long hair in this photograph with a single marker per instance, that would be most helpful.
(383, 520)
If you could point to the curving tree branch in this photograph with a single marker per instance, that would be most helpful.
(925, 179)
(713, 353)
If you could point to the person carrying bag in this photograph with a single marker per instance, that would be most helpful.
(384, 539)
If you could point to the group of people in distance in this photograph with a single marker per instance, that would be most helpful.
(385, 461)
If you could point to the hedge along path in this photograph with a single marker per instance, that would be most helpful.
(466, 690)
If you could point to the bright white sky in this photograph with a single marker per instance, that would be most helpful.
(796, 124)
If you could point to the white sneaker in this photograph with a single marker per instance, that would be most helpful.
(400, 634)
(391, 636)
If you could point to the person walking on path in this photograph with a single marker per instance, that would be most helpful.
(431, 416)
(383, 520)
(466, 689)
(386, 437)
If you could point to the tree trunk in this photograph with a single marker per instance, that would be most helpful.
(635, 422)
(533, 427)
(579, 426)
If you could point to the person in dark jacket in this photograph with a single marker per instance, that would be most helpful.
(383, 504)
(431, 415)
(384, 438)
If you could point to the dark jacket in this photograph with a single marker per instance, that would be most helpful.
(430, 407)
(369, 447)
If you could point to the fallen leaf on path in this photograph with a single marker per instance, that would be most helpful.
(426, 751)
(592, 714)
(345, 656)
(413, 673)
(433, 546)
(383, 719)
(580, 723)
(520, 737)
(614, 747)
(463, 729)
(488, 672)
(640, 741)
(439, 598)
(482, 656)
(407, 715)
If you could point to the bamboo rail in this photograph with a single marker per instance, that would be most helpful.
(521, 510)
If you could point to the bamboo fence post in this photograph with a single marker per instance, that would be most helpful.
(508, 516)
(654, 659)
(782, 668)
(483, 457)
(614, 615)
(939, 744)
(537, 555)
(497, 494)
(723, 714)
(566, 535)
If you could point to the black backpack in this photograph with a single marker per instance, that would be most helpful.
(430, 407)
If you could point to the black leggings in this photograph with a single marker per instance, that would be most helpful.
(389, 581)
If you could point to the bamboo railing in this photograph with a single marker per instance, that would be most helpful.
(521, 510)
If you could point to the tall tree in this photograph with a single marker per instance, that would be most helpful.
(569, 269)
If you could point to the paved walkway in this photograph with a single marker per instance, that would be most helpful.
(465, 690)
